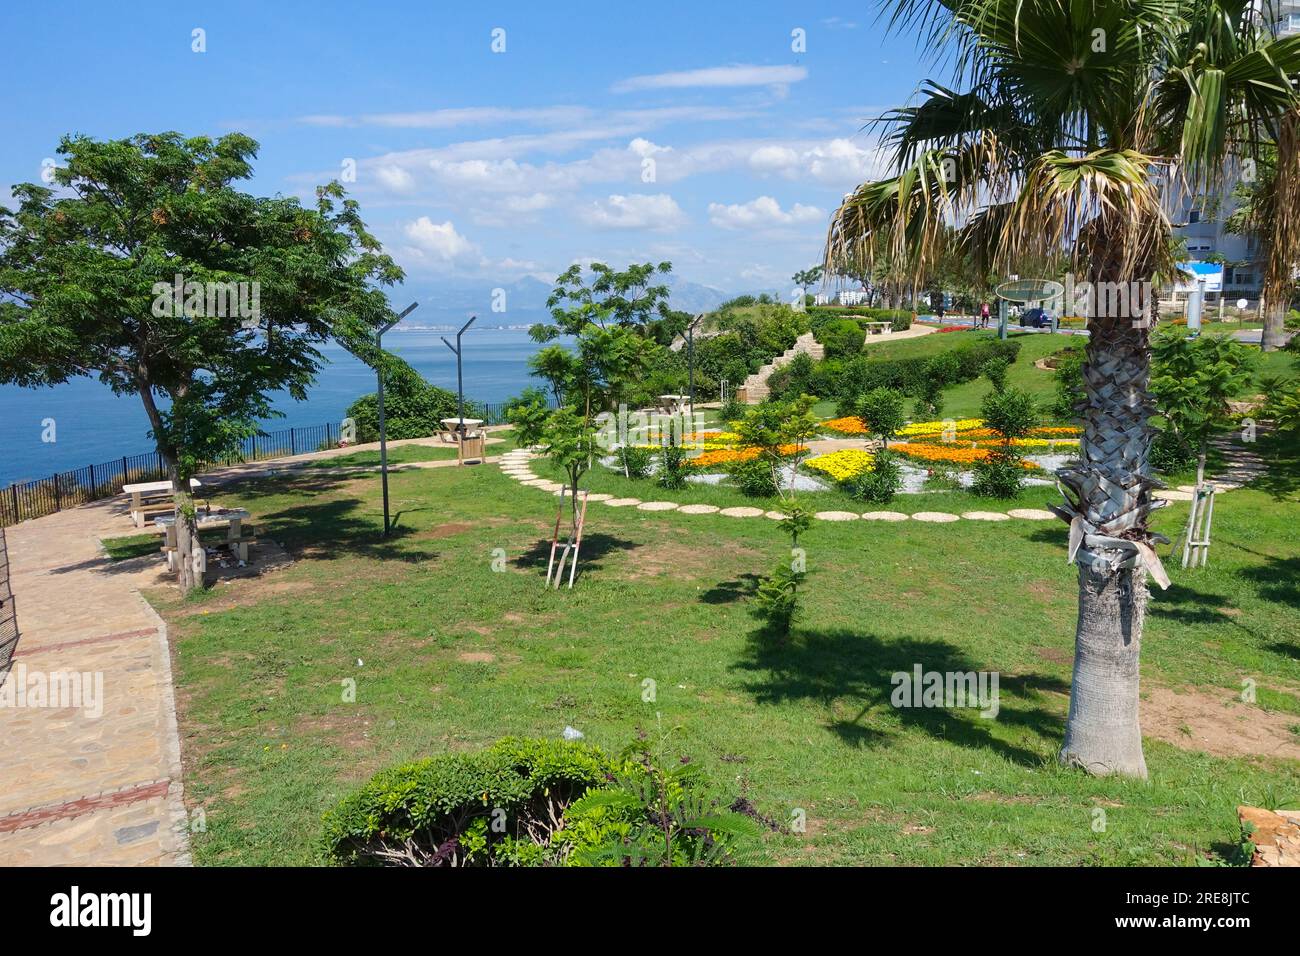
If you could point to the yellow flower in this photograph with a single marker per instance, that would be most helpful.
(843, 464)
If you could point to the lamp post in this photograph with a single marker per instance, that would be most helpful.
(383, 431)
(690, 357)
(460, 385)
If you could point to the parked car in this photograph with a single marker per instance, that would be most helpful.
(1035, 319)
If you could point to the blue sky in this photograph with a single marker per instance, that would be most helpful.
(622, 132)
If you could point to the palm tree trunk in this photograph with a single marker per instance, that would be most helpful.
(1274, 336)
(1110, 488)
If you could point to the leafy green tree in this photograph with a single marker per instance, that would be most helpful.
(568, 438)
(881, 409)
(1055, 131)
(1193, 380)
(808, 277)
(1010, 413)
(779, 432)
(87, 276)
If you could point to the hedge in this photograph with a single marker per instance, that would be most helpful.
(861, 374)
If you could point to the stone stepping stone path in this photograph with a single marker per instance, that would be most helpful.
(1169, 494)
(937, 517)
(741, 512)
(1032, 514)
(513, 465)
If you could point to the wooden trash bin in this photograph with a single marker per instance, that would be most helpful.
(471, 448)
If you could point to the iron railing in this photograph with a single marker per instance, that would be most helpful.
(67, 489)
(8, 613)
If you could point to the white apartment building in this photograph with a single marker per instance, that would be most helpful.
(1202, 222)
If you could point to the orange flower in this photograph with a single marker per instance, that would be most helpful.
(849, 425)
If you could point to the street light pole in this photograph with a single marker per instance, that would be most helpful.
(690, 357)
(460, 383)
(383, 430)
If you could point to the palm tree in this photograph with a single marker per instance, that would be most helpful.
(1072, 127)
(1269, 211)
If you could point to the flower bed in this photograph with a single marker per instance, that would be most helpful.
(938, 428)
(843, 464)
(848, 425)
(947, 453)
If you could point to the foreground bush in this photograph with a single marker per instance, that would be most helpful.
(534, 803)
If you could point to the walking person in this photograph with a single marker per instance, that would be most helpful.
(984, 315)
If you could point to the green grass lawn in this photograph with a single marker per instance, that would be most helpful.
(396, 456)
(448, 654)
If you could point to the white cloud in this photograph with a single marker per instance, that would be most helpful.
(440, 241)
(449, 118)
(842, 161)
(395, 178)
(715, 76)
(760, 213)
(773, 158)
(655, 212)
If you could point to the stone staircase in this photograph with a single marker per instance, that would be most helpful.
(754, 389)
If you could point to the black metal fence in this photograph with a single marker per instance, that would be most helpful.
(67, 489)
(8, 613)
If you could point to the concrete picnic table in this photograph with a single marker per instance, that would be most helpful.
(462, 424)
(144, 492)
(674, 403)
(232, 519)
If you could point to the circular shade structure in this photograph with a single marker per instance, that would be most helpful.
(1029, 290)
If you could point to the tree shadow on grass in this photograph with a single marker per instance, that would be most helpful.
(340, 525)
(838, 666)
(1277, 580)
(1282, 457)
(594, 549)
(727, 592)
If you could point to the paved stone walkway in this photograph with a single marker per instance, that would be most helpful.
(98, 783)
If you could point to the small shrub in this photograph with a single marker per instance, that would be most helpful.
(753, 477)
(998, 476)
(1012, 414)
(435, 812)
(535, 803)
(881, 482)
(776, 599)
(672, 468)
(635, 461)
(731, 409)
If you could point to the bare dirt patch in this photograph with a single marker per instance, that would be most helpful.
(1054, 654)
(679, 559)
(1217, 723)
(476, 657)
